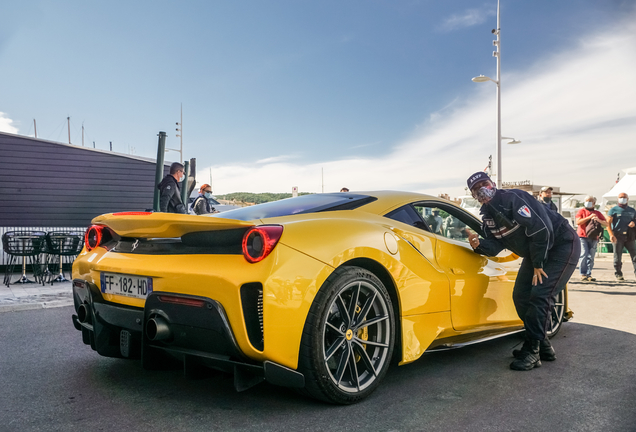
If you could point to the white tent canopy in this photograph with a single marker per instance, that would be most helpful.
(627, 184)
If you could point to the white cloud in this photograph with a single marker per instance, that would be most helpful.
(6, 124)
(575, 114)
(274, 159)
(469, 18)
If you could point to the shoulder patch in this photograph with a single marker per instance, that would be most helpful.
(168, 187)
(524, 211)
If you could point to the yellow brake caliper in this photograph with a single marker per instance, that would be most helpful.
(363, 334)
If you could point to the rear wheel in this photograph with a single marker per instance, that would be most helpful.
(556, 315)
(348, 337)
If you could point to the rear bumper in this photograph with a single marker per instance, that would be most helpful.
(197, 333)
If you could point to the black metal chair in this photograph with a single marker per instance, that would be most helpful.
(28, 245)
(63, 244)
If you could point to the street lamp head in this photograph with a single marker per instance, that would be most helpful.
(512, 140)
(482, 78)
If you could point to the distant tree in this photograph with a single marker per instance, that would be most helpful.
(256, 198)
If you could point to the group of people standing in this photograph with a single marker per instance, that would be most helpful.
(170, 194)
(621, 227)
(590, 224)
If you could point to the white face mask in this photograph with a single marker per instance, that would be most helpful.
(622, 200)
(589, 204)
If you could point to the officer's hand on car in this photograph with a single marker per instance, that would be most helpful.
(538, 276)
(473, 239)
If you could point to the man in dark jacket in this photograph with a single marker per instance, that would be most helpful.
(170, 190)
(550, 248)
(545, 196)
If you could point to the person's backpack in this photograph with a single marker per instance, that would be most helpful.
(593, 229)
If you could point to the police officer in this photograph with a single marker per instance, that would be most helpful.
(550, 248)
(170, 190)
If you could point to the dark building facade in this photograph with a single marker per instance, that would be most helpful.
(50, 184)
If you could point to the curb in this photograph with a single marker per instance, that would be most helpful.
(37, 305)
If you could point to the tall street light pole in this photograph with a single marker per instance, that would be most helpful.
(482, 78)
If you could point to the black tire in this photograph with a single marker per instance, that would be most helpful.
(348, 338)
(555, 320)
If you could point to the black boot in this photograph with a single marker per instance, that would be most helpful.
(529, 359)
(546, 352)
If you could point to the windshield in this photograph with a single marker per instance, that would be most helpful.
(303, 204)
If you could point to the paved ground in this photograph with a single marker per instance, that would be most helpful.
(605, 302)
(20, 297)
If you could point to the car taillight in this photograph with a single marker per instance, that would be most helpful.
(258, 242)
(93, 237)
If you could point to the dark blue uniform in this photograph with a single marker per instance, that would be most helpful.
(515, 221)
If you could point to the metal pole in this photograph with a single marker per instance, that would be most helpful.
(161, 149)
(498, 55)
(68, 120)
(181, 136)
(35, 128)
(184, 184)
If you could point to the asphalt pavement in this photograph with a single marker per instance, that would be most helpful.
(51, 381)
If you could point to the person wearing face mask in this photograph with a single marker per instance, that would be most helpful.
(622, 231)
(545, 196)
(550, 248)
(170, 190)
(201, 204)
(585, 217)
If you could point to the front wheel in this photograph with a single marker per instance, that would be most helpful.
(556, 314)
(348, 338)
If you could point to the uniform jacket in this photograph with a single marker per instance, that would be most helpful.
(170, 196)
(514, 220)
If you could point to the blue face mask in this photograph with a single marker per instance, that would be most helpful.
(207, 194)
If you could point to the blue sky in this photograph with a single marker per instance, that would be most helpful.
(374, 94)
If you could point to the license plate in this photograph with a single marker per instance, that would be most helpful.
(126, 285)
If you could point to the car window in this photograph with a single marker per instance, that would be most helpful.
(447, 220)
(409, 216)
(313, 203)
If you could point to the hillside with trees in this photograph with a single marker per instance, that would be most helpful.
(256, 198)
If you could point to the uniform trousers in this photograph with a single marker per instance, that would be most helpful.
(534, 303)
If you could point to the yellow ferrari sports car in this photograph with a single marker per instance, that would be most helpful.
(319, 292)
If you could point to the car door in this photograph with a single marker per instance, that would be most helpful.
(425, 288)
(480, 287)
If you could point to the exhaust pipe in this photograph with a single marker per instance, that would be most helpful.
(157, 329)
(83, 314)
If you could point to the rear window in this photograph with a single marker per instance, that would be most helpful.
(303, 204)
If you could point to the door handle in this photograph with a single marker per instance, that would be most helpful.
(457, 271)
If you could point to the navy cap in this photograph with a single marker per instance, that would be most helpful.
(476, 178)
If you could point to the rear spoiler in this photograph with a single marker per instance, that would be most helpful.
(164, 225)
